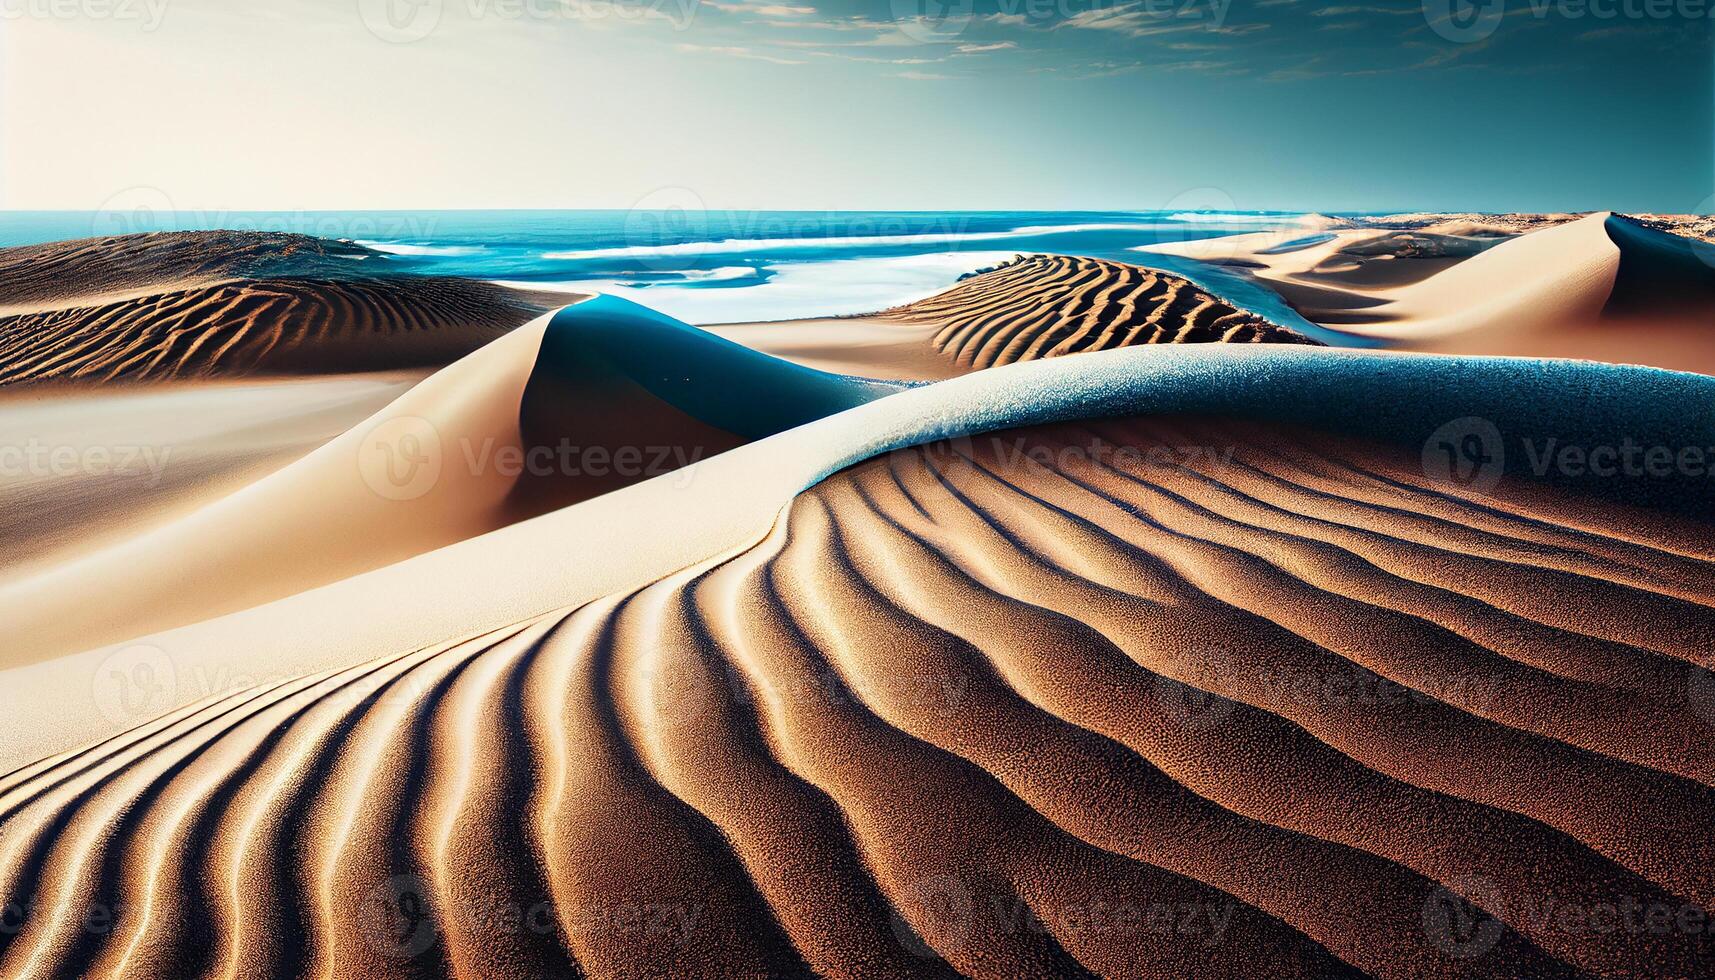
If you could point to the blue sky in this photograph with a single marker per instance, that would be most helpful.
(826, 104)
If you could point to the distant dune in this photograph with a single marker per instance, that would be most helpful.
(1052, 305)
(1601, 286)
(180, 306)
(1034, 306)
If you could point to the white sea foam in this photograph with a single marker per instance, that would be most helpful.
(732, 245)
(403, 248)
(797, 290)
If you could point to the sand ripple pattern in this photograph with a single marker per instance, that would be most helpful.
(260, 327)
(1049, 305)
(1068, 701)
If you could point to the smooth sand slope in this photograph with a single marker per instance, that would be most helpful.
(1031, 307)
(599, 396)
(1601, 287)
(199, 305)
(84, 469)
(1067, 699)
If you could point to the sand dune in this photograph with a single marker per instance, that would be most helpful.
(1100, 715)
(618, 648)
(228, 304)
(1066, 699)
(1032, 307)
(1052, 305)
(1601, 286)
(601, 395)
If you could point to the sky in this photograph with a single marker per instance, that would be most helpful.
(1327, 105)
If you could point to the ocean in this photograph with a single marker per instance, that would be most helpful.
(719, 266)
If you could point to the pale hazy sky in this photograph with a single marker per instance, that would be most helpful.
(818, 104)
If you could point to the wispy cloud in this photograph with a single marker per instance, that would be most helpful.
(922, 76)
(734, 51)
(980, 48)
(761, 9)
(1345, 11)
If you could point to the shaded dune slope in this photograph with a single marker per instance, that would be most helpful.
(228, 304)
(1049, 305)
(960, 711)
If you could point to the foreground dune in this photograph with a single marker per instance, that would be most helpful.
(201, 305)
(1131, 690)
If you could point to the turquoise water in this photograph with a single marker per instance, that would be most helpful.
(720, 266)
